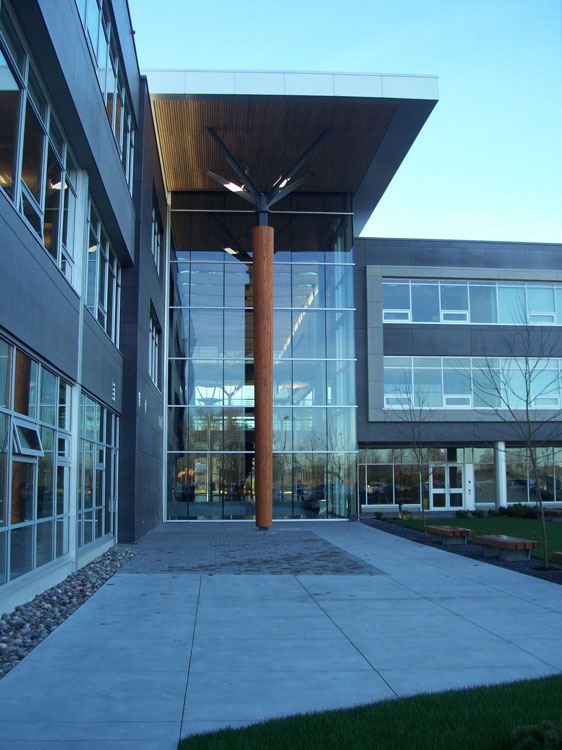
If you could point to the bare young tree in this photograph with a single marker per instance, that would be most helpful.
(411, 412)
(523, 391)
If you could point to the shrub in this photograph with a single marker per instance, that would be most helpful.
(478, 513)
(379, 514)
(545, 736)
(462, 514)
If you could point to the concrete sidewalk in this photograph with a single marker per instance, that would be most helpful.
(219, 624)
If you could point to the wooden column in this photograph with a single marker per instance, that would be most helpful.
(262, 247)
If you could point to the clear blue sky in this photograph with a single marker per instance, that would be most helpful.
(488, 163)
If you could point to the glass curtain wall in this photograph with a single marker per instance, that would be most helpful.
(211, 439)
(34, 464)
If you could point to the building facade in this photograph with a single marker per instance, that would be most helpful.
(82, 210)
(128, 361)
(458, 361)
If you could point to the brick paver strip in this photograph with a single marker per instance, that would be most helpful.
(237, 549)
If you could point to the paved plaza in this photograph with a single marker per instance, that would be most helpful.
(217, 624)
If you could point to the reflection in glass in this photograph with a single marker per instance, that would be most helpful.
(207, 281)
(340, 387)
(25, 386)
(3, 463)
(309, 334)
(9, 119)
(44, 543)
(425, 302)
(23, 491)
(309, 383)
(3, 550)
(32, 159)
(339, 286)
(282, 485)
(310, 490)
(5, 361)
(309, 429)
(308, 286)
(48, 397)
(282, 429)
(21, 551)
(340, 336)
(206, 334)
(46, 475)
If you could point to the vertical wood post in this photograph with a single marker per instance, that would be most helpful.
(262, 247)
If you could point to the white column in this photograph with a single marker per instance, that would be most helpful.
(501, 474)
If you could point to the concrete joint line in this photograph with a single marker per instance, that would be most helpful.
(347, 637)
(190, 658)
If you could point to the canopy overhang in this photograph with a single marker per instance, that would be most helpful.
(267, 120)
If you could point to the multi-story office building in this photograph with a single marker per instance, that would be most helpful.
(130, 327)
(459, 358)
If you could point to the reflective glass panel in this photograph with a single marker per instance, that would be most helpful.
(339, 286)
(309, 429)
(53, 191)
(9, 120)
(309, 334)
(427, 388)
(207, 280)
(282, 285)
(483, 308)
(32, 159)
(21, 551)
(425, 302)
(309, 382)
(308, 286)
(205, 383)
(282, 429)
(3, 463)
(309, 476)
(340, 336)
(45, 534)
(540, 299)
(237, 344)
(380, 485)
(341, 429)
(282, 341)
(454, 296)
(282, 381)
(396, 295)
(205, 429)
(46, 475)
(23, 491)
(340, 377)
(25, 386)
(5, 374)
(206, 333)
(237, 289)
(48, 397)
(239, 430)
(3, 549)
(511, 305)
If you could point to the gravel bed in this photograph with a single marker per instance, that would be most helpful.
(25, 627)
(530, 567)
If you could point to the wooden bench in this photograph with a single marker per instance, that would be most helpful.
(508, 548)
(557, 557)
(448, 534)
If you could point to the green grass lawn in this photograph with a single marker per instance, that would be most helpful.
(475, 719)
(525, 528)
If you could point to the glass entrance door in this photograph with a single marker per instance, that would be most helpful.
(445, 486)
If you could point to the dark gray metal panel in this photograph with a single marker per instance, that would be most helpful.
(102, 364)
(141, 451)
(460, 253)
(56, 37)
(37, 305)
